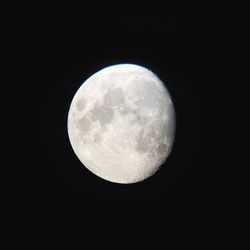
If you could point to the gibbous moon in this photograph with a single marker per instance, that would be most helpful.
(121, 123)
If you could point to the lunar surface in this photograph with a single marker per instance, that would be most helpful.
(121, 123)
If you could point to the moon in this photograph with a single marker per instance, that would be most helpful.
(121, 123)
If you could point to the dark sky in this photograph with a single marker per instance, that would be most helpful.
(178, 52)
(186, 52)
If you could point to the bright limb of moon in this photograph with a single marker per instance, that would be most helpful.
(121, 123)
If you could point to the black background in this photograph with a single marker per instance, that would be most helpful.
(195, 199)
(185, 51)
(180, 52)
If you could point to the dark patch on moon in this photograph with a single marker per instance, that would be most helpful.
(114, 97)
(84, 124)
(162, 148)
(104, 112)
(97, 138)
(140, 119)
(142, 142)
(145, 140)
(80, 105)
(101, 113)
(125, 110)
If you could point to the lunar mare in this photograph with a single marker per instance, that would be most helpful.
(121, 123)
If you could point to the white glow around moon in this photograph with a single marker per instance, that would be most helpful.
(121, 123)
